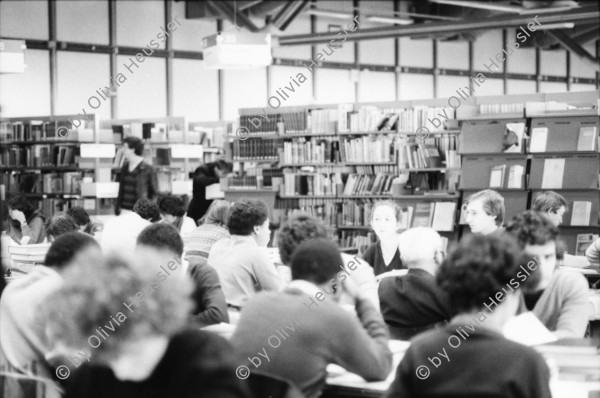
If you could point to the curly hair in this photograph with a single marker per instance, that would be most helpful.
(135, 143)
(171, 205)
(122, 300)
(162, 236)
(479, 267)
(246, 215)
(298, 229)
(64, 249)
(19, 202)
(60, 224)
(532, 228)
(147, 209)
(79, 214)
(316, 260)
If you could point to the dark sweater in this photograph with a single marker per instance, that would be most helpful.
(374, 257)
(484, 364)
(196, 364)
(211, 306)
(199, 204)
(301, 336)
(133, 185)
(412, 303)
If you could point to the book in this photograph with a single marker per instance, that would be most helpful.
(587, 139)
(497, 176)
(443, 216)
(515, 176)
(581, 213)
(552, 177)
(513, 137)
(423, 215)
(583, 242)
(539, 139)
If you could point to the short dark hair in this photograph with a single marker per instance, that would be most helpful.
(549, 201)
(245, 215)
(162, 236)
(60, 224)
(479, 267)
(298, 229)
(147, 209)
(532, 228)
(80, 216)
(134, 143)
(492, 202)
(316, 260)
(64, 249)
(171, 205)
(19, 202)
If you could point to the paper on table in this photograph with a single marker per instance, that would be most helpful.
(553, 173)
(528, 330)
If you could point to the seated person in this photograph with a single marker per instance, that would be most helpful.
(172, 211)
(383, 255)
(470, 357)
(413, 303)
(484, 211)
(593, 255)
(21, 334)
(160, 247)
(302, 227)
(59, 224)
(132, 323)
(560, 299)
(120, 233)
(82, 219)
(25, 225)
(242, 261)
(296, 333)
(212, 229)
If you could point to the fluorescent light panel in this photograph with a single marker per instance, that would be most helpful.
(399, 21)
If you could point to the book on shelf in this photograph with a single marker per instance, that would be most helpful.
(406, 217)
(311, 150)
(256, 149)
(368, 149)
(308, 184)
(515, 176)
(539, 139)
(443, 216)
(584, 241)
(552, 177)
(497, 176)
(365, 184)
(581, 213)
(513, 137)
(587, 139)
(423, 214)
(322, 121)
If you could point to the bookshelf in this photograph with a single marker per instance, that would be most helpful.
(52, 162)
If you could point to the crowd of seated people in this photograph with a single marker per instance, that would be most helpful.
(123, 311)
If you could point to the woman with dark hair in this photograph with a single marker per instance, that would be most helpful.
(172, 210)
(204, 176)
(25, 224)
(59, 224)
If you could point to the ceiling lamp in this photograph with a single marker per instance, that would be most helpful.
(237, 50)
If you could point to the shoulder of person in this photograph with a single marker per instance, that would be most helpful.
(569, 279)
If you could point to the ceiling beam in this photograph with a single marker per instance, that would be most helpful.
(573, 47)
(588, 14)
(233, 16)
(287, 14)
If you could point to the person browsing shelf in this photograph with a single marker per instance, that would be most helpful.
(485, 212)
(25, 225)
(137, 179)
(204, 176)
(384, 255)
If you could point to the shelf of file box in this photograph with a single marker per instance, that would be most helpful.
(476, 169)
(486, 136)
(494, 116)
(580, 171)
(515, 202)
(562, 134)
(366, 132)
(581, 195)
(425, 134)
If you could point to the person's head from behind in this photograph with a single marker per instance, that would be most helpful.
(101, 295)
(147, 209)
(551, 204)
(19, 203)
(317, 261)
(217, 213)
(171, 209)
(132, 147)
(250, 218)
(421, 248)
(72, 248)
(59, 224)
(484, 211)
(81, 217)
(385, 218)
(537, 236)
(298, 229)
(221, 168)
(160, 244)
(480, 267)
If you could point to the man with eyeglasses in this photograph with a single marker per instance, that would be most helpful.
(484, 211)
(413, 303)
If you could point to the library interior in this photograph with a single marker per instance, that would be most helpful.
(299, 198)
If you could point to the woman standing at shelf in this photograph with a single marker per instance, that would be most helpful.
(24, 224)
(204, 176)
(137, 178)
(384, 255)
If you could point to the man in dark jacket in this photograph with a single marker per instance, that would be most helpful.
(137, 179)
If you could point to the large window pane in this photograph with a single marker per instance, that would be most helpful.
(554, 63)
(282, 76)
(522, 60)
(24, 19)
(520, 87)
(190, 33)
(376, 86)
(82, 21)
(487, 45)
(413, 86)
(139, 22)
(327, 24)
(300, 25)
(582, 67)
(144, 93)
(448, 86)
(335, 86)
(453, 55)
(553, 87)
(244, 89)
(418, 53)
(195, 91)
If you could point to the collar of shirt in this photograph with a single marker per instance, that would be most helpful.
(306, 287)
(244, 238)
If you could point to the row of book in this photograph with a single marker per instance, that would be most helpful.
(322, 208)
(323, 121)
(257, 149)
(285, 123)
(486, 109)
(308, 184)
(368, 149)
(368, 184)
(39, 155)
(302, 150)
(152, 131)
(35, 130)
(356, 239)
(586, 139)
(48, 183)
(419, 156)
(372, 118)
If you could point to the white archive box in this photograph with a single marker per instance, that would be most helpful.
(100, 189)
(182, 187)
